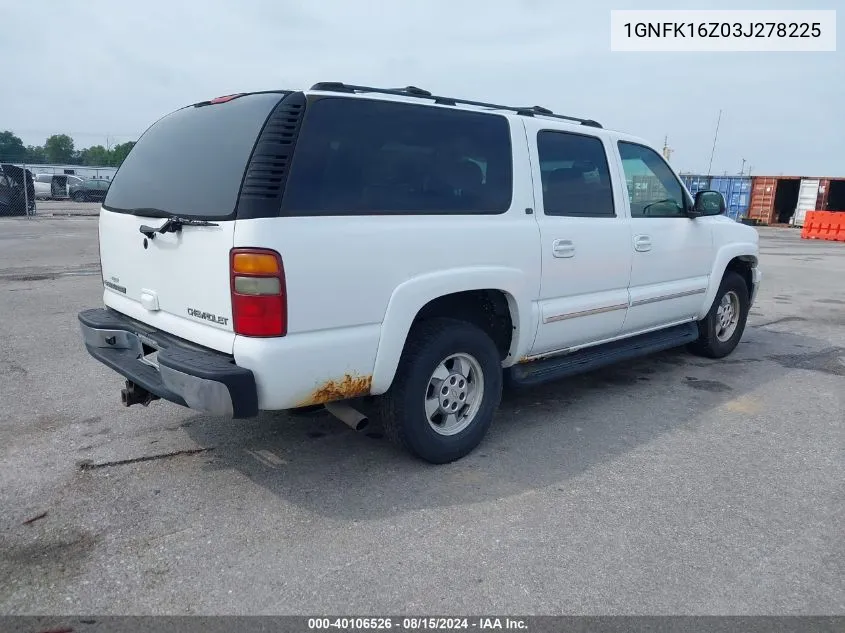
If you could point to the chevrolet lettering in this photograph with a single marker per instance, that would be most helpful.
(199, 314)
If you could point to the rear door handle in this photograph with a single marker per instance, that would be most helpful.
(642, 243)
(563, 248)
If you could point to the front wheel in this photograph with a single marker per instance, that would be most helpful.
(447, 387)
(722, 328)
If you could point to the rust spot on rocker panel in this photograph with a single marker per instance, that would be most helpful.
(350, 386)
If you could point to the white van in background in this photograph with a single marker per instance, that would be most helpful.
(54, 186)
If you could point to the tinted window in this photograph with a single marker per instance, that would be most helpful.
(357, 156)
(44, 178)
(653, 190)
(191, 162)
(575, 175)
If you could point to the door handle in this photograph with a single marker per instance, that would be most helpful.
(642, 243)
(563, 248)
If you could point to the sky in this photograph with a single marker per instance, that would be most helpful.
(103, 71)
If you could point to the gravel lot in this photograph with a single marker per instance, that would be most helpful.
(669, 485)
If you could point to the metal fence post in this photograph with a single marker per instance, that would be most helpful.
(25, 191)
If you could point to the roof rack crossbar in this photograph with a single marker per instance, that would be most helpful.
(413, 91)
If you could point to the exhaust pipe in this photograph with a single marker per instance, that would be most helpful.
(133, 394)
(352, 418)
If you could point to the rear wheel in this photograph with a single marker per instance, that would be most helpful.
(79, 196)
(447, 387)
(722, 328)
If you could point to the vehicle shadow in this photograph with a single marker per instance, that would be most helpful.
(541, 437)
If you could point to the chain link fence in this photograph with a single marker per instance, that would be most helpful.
(25, 188)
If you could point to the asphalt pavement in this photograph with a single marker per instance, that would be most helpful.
(669, 485)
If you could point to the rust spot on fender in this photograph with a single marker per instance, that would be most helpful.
(350, 386)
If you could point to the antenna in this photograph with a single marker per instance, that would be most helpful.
(715, 136)
(742, 169)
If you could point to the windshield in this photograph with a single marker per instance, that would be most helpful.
(191, 162)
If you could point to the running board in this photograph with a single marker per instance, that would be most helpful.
(588, 359)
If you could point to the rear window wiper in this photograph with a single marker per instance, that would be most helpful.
(173, 225)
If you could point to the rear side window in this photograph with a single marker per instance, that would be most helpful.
(575, 175)
(192, 162)
(360, 157)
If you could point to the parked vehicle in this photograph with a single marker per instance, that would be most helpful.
(14, 200)
(54, 186)
(89, 190)
(346, 242)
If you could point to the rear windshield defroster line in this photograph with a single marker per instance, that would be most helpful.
(191, 162)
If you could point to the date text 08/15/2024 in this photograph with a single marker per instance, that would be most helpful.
(416, 623)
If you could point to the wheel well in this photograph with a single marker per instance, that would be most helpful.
(742, 265)
(486, 309)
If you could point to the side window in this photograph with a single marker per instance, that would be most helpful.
(653, 190)
(575, 176)
(48, 178)
(360, 156)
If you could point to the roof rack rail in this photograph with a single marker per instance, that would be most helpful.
(413, 91)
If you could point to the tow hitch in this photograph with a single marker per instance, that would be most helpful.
(133, 394)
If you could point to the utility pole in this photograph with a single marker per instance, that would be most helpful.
(715, 136)
(667, 153)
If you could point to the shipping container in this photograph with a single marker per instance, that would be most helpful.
(773, 199)
(824, 188)
(736, 190)
(831, 195)
(808, 193)
(645, 187)
(695, 183)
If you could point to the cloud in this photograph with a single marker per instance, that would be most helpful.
(107, 68)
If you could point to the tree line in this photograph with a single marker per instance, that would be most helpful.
(59, 149)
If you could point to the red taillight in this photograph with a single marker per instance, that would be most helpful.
(259, 301)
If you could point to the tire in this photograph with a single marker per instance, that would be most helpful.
(79, 197)
(462, 350)
(714, 341)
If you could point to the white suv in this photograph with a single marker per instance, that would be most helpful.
(351, 242)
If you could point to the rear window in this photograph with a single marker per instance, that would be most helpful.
(359, 156)
(192, 162)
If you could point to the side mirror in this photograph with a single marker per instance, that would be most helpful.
(708, 202)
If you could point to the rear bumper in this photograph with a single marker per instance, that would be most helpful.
(187, 374)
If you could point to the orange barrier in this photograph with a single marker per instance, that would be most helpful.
(824, 225)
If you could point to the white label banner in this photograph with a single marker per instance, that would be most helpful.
(723, 31)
